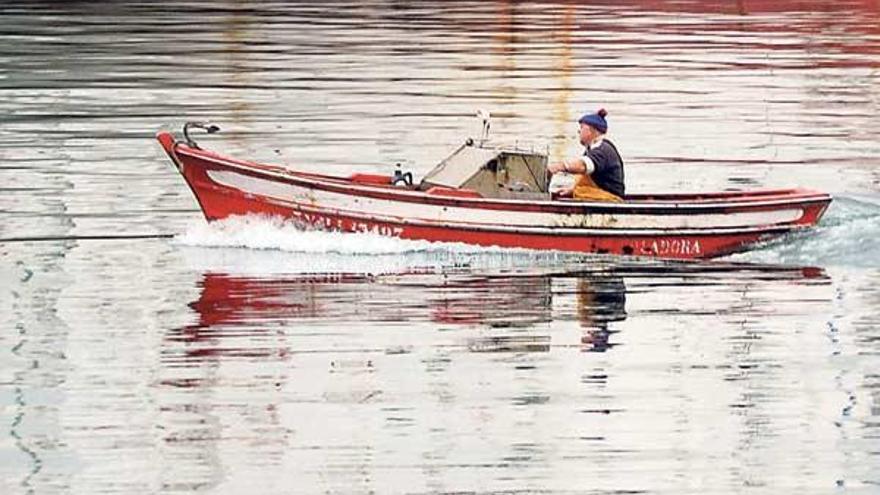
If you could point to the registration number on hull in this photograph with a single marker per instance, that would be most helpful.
(322, 222)
(670, 247)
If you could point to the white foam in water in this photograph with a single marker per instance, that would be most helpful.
(271, 245)
(274, 233)
(848, 235)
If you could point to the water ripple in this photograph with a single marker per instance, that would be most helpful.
(251, 358)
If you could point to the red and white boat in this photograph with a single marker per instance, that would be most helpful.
(493, 196)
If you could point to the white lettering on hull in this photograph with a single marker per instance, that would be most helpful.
(316, 221)
(322, 222)
(379, 229)
(669, 247)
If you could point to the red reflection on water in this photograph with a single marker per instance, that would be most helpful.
(241, 309)
(228, 299)
(234, 307)
(825, 34)
(257, 311)
(501, 301)
(746, 7)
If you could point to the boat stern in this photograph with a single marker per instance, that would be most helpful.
(814, 207)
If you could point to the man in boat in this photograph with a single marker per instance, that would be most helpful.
(599, 172)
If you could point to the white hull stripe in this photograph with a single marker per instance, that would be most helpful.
(312, 216)
(476, 217)
(363, 189)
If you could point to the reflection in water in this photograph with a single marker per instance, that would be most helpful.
(499, 301)
(504, 48)
(273, 364)
(32, 368)
(504, 301)
(601, 301)
(217, 378)
(208, 399)
(562, 117)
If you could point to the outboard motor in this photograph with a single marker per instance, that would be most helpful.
(402, 179)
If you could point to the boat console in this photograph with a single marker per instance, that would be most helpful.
(493, 172)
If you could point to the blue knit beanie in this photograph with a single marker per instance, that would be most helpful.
(596, 120)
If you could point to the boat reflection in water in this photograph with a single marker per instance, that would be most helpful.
(257, 336)
(290, 354)
(515, 304)
(511, 310)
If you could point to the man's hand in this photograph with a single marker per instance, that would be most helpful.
(557, 167)
(565, 192)
(576, 166)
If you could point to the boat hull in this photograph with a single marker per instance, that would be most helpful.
(672, 226)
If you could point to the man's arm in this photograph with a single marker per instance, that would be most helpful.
(580, 165)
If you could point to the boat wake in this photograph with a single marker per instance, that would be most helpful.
(272, 245)
(276, 234)
(848, 236)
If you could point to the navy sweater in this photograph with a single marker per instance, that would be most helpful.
(609, 167)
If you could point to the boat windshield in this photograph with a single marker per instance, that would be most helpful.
(493, 172)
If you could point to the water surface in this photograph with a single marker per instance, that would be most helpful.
(248, 356)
